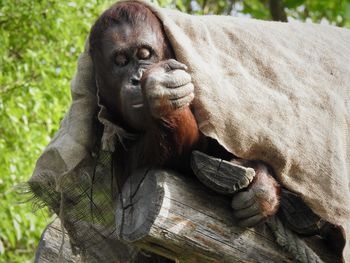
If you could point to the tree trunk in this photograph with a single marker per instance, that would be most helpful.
(277, 10)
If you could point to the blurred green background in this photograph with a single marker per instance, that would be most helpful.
(39, 45)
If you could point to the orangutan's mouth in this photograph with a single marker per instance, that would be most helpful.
(138, 105)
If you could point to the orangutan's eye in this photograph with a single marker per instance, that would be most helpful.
(143, 53)
(121, 59)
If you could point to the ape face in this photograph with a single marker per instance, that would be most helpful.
(126, 50)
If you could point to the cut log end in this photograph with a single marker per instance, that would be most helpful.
(138, 205)
(219, 175)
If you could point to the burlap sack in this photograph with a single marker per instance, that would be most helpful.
(270, 91)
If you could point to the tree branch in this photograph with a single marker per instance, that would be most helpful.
(277, 10)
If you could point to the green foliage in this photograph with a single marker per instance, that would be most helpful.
(39, 45)
(336, 12)
(40, 41)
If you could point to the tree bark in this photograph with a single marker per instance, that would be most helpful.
(277, 10)
(180, 219)
(51, 245)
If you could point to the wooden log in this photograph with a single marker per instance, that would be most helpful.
(51, 243)
(180, 219)
(189, 223)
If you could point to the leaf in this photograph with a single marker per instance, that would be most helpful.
(293, 3)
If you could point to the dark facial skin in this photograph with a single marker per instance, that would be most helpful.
(127, 50)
